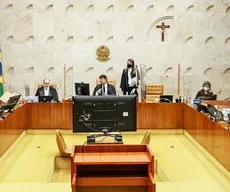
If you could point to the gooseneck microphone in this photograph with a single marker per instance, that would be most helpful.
(219, 92)
(12, 88)
(187, 94)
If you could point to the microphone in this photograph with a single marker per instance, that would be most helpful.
(164, 79)
(187, 94)
(12, 88)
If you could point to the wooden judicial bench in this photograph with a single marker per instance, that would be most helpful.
(212, 136)
(109, 165)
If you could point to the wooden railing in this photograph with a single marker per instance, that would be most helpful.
(214, 138)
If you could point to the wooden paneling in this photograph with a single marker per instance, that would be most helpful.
(217, 102)
(11, 128)
(115, 165)
(157, 115)
(50, 115)
(214, 138)
(160, 116)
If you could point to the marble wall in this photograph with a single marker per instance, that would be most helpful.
(38, 37)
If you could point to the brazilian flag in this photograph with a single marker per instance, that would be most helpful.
(1, 77)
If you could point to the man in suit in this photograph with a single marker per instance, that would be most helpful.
(47, 90)
(104, 88)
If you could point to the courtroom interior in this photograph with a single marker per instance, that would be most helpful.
(118, 95)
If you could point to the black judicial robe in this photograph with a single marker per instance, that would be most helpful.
(110, 89)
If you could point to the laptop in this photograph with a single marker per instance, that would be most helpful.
(14, 99)
(166, 98)
(208, 97)
(11, 103)
(45, 98)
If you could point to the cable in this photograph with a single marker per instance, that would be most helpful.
(96, 130)
(82, 151)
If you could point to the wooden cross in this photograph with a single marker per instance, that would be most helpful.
(163, 26)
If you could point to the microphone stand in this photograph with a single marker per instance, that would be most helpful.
(188, 90)
(12, 88)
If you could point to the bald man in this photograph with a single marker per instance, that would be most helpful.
(47, 90)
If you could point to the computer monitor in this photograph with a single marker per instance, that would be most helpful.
(166, 98)
(104, 114)
(43, 98)
(11, 103)
(14, 99)
(82, 88)
(208, 97)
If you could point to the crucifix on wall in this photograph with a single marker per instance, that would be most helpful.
(163, 26)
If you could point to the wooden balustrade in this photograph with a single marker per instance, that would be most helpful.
(214, 138)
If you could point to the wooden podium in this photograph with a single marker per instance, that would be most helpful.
(112, 166)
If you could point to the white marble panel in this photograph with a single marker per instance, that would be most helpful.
(53, 32)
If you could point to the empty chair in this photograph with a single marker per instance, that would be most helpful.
(64, 150)
(146, 138)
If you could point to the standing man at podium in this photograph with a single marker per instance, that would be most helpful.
(104, 88)
(47, 90)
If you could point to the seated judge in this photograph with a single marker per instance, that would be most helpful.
(129, 79)
(104, 88)
(47, 90)
(206, 92)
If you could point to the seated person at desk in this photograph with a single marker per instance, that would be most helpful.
(206, 92)
(104, 88)
(47, 90)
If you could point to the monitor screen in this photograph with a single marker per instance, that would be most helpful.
(96, 114)
(45, 98)
(11, 103)
(208, 97)
(82, 88)
(166, 98)
(14, 99)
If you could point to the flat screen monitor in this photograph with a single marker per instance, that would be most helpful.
(166, 98)
(208, 97)
(82, 88)
(11, 103)
(14, 99)
(104, 114)
(45, 98)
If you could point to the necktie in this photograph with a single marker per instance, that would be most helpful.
(103, 89)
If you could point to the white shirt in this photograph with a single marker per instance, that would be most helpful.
(46, 91)
(131, 81)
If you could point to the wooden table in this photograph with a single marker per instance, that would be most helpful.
(111, 166)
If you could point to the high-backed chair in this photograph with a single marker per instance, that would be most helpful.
(152, 98)
(64, 150)
(111, 81)
(153, 92)
(54, 85)
(146, 138)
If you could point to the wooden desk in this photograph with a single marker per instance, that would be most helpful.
(112, 165)
(11, 128)
(212, 136)
(217, 102)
